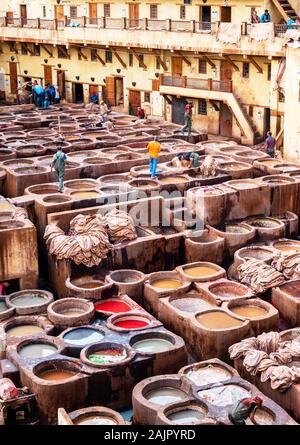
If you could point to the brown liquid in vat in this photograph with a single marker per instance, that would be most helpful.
(249, 311)
(72, 313)
(91, 285)
(218, 320)
(86, 194)
(287, 247)
(173, 180)
(200, 271)
(167, 284)
(56, 375)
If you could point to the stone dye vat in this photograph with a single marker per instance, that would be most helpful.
(94, 415)
(236, 235)
(129, 282)
(68, 312)
(27, 302)
(92, 286)
(201, 271)
(204, 246)
(202, 393)
(286, 299)
(236, 170)
(286, 246)
(224, 290)
(284, 193)
(267, 228)
(24, 326)
(208, 204)
(291, 222)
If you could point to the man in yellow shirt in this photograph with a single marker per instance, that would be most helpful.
(153, 150)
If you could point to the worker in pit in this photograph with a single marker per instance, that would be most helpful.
(244, 409)
(187, 120)
(153, 150)
(58, 163)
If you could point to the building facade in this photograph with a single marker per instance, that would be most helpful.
(158, 54)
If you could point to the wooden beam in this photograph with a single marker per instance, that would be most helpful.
(234, 66)
(257, 66)
(168, 99)
(99, 58)
(50, 53)
(184, 58)
(215, 105)
(28, 49)
(209, 61)
(81, 55)
(119, 58)
(138, 57)
(162, 63)
(12, 47)
(65, 51)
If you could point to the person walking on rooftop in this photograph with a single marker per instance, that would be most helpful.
(58, 163)
(270, 145)
(153, 150)
(187, 120)
(265, 18)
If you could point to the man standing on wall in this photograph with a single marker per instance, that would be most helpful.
(270, 145)
(153, 150)
(187, 120)
(58, 163)
(265, 18)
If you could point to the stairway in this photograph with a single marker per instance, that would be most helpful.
(257, 136)
(285, 9)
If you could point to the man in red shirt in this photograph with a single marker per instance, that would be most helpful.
(243, 409)
(141, 113)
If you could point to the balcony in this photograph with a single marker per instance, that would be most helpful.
(198, 84)
(164, 34)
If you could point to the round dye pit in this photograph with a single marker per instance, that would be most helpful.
(264, 223)
(113, 306)
(88, 282)
(28, 300)
(173, 180)
(56, 374)
(189, 304)
(227, 290)
(108, 356)
(292, 289)
(218, 320)
(200, 271)
(249, 311)
(82, 336)
(225, 395)
(187, 416)
(24, 330)
(80, 185)
(165, 395)
(152, 345)
(3, 307)
(95, 420)
(264, 417)
(208, 374)
(167, 284)
(37, 350)
(86, 194)
(132, 323)
(292, 247)
(236, 228)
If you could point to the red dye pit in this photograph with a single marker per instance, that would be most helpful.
(113, 307)
(131, 324)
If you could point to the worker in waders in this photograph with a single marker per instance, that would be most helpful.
(58, 163)
(243, 409)
(187, 120)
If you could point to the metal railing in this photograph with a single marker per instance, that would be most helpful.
(224, 86)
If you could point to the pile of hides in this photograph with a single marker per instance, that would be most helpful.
(8, 390)
(120, 226)
(262, 31)
(87, 242)
(209, 166)
(19, 213)
(288, 265)
(90, 237)
(229, 33)
(292, 38)
(269, 355)
(259, 276)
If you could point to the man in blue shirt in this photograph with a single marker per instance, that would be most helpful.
(290, 23)
(59, 164)
(265, 18)
(270, 145)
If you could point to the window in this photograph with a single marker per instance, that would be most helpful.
(108, 57)
(281, 97)
(73, 12)
(202, 106)
(94, 55)
(250, 110)
(24, 50)
(157, 64)
(106, 7)
(269, 71)
(141, 60)
(202, 68)
(130, 58)
(147, 97)
(37, 50)
(44, 11)
(182, 12)
(153, 11)
(62, 52)
(187, 2)
(246, 69)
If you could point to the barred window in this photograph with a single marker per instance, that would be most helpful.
(202, 66)
(108, 57)
(73, 12)
(94, 55)
(146, 97)
(153, 11)
(106, 7)
(269, 71)
(202, 106)
(246, 69)
(130, 58)
(182, 12)
(37, 50)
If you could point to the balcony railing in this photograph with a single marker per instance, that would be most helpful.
(126, 23)
(224, 86)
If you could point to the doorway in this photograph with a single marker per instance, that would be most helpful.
(94, 90)
(225, 14)
(77, 93)
(61, 83)
(133, 15)
(226, 71)
(119, 90)
(225, 121)
(10, 17)
(13, 77)
(205, 14)
(267, 121)
(59, 13)
(93, 13)
(47, 74)
(134, 101)
(178, 110)
(23, 14)
(176, 66)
